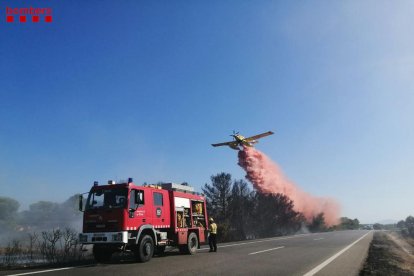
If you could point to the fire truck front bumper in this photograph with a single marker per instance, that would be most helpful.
(104, 237)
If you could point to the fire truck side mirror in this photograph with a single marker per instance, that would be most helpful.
(139, 198)
(81, 203)
(133, 205)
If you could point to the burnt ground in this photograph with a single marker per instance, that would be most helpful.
(389, 254)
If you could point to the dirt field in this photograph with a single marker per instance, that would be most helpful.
(389, 254)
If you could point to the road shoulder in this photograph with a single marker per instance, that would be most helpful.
(349, 262)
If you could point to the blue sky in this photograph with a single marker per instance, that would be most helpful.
(142, 88)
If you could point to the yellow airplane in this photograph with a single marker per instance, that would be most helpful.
(240, 141)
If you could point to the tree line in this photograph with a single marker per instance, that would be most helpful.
(245, 214)
(407, 226)
(41, 216)
(45, 233)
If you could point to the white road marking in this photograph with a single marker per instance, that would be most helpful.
(244, 243)
(42, 271)
(318, 239)
(266, 250)
(325, 263)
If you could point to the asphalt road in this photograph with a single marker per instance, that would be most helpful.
(332, 253)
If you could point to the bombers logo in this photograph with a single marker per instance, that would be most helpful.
(158, 212)
(24, 15)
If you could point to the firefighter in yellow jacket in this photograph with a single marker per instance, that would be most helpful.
(213, 235)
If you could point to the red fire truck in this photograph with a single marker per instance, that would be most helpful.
(143, 219)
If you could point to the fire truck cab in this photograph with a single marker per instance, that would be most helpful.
(143, 219)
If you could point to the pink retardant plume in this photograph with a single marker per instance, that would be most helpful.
(267, 178)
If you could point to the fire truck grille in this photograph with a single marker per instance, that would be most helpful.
(94, 239)
(101, 227)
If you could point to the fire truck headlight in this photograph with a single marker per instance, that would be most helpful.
(83, 238)
(117, 237)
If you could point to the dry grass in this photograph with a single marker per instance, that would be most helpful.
(390, 254)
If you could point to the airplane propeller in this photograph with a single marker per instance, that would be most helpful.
(234, 135)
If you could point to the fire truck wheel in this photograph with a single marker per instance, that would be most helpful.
(145, 249)
(192, 243)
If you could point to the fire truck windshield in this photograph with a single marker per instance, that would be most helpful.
(107, 198)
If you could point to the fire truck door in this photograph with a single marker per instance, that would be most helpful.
(138, 209)
(160, 212)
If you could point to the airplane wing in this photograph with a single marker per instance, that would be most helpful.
(259, 136)
(224, 144)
